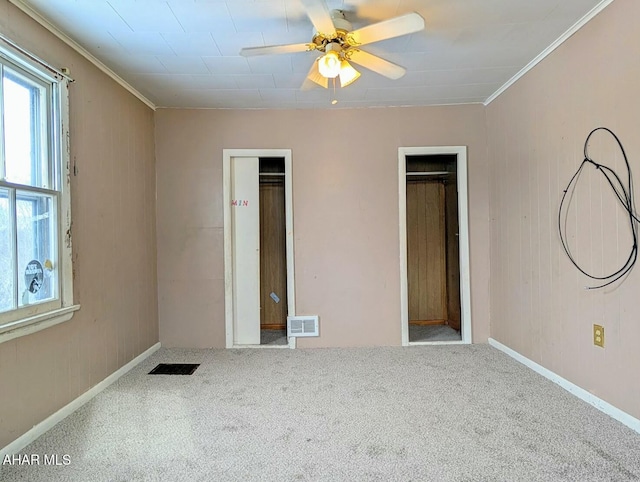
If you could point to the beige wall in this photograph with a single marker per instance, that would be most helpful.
(113, 208)
(536, 131)
(345, 201)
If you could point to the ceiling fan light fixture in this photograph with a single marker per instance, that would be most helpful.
(316, 77)
(335, 38)
(348, 75)
(329, 65)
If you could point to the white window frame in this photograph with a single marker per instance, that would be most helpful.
(29, 319)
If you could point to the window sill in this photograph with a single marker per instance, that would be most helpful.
(40, 322)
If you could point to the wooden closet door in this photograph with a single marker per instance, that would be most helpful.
(273, 255)
(426, 254)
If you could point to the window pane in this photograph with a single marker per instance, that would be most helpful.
(25, 130)
(7, 277)
(37, 260)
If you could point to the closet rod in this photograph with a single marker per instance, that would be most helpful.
(275, 174)
(429, 173)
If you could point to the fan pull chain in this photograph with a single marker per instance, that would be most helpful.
(334, 101)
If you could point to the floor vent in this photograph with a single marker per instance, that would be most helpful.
(174, 369)
(302, 326)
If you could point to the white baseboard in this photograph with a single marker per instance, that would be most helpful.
(622, 417)
(21, 442)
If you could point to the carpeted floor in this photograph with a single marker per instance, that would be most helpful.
(437, 413)
(273, 337)
(433, 333)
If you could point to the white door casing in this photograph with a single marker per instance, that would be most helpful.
(234, 296)
(463, 239)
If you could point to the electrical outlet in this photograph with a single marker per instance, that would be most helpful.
(598, 335)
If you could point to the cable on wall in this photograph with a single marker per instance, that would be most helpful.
(624, 194)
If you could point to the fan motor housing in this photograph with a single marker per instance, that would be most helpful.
(342, 26)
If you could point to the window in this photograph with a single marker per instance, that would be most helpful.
(35, 251)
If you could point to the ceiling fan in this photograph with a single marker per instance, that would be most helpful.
(340, 44)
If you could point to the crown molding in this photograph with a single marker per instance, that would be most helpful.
(80, 49)
(559, 41)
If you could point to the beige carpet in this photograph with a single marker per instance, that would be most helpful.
(433, 333)
(437, 413)
(273, 337)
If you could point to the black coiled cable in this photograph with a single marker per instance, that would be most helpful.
(625, 196)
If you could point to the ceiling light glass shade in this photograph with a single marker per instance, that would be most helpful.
(329, 65)
(314, 76)
(348, 74)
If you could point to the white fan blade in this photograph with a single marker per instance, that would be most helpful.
(314, 78)
(318, 13)
(276, 49)
(375, 63)
(394, 27)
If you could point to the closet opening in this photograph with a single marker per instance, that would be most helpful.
(273, 252)
(433, 269)
(434, 245)
(258, 247)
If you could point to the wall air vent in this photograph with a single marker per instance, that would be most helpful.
(302, 326)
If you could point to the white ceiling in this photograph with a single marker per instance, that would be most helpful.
(184, 53)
